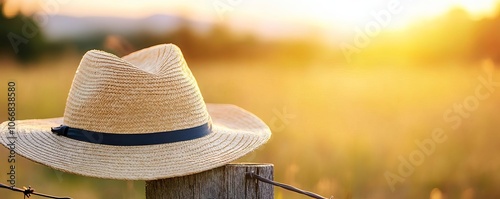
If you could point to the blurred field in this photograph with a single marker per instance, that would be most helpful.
(349, 127)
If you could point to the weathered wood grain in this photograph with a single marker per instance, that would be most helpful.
(226, 182)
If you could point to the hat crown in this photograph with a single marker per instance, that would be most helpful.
(151, 90)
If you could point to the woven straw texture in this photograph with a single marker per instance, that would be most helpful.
(151, 90)
(153, 85)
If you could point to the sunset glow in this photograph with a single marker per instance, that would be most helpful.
(323, 13)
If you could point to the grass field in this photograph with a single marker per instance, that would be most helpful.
(345, 127)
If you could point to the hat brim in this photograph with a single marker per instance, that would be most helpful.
(236, 132)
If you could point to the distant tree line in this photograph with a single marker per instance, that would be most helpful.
(22, 38)
(454, 36)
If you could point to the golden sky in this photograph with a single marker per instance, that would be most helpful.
(321, 13)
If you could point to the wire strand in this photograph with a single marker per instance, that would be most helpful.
(29, 191)
(252, 175)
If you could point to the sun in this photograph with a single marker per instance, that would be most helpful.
(353, 13)
(479, 8)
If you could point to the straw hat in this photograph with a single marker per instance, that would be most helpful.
(139, 117)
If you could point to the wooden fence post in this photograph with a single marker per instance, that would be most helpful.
(227, 182)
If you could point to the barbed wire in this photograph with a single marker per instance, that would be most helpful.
(252, 175)
(29, 191)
